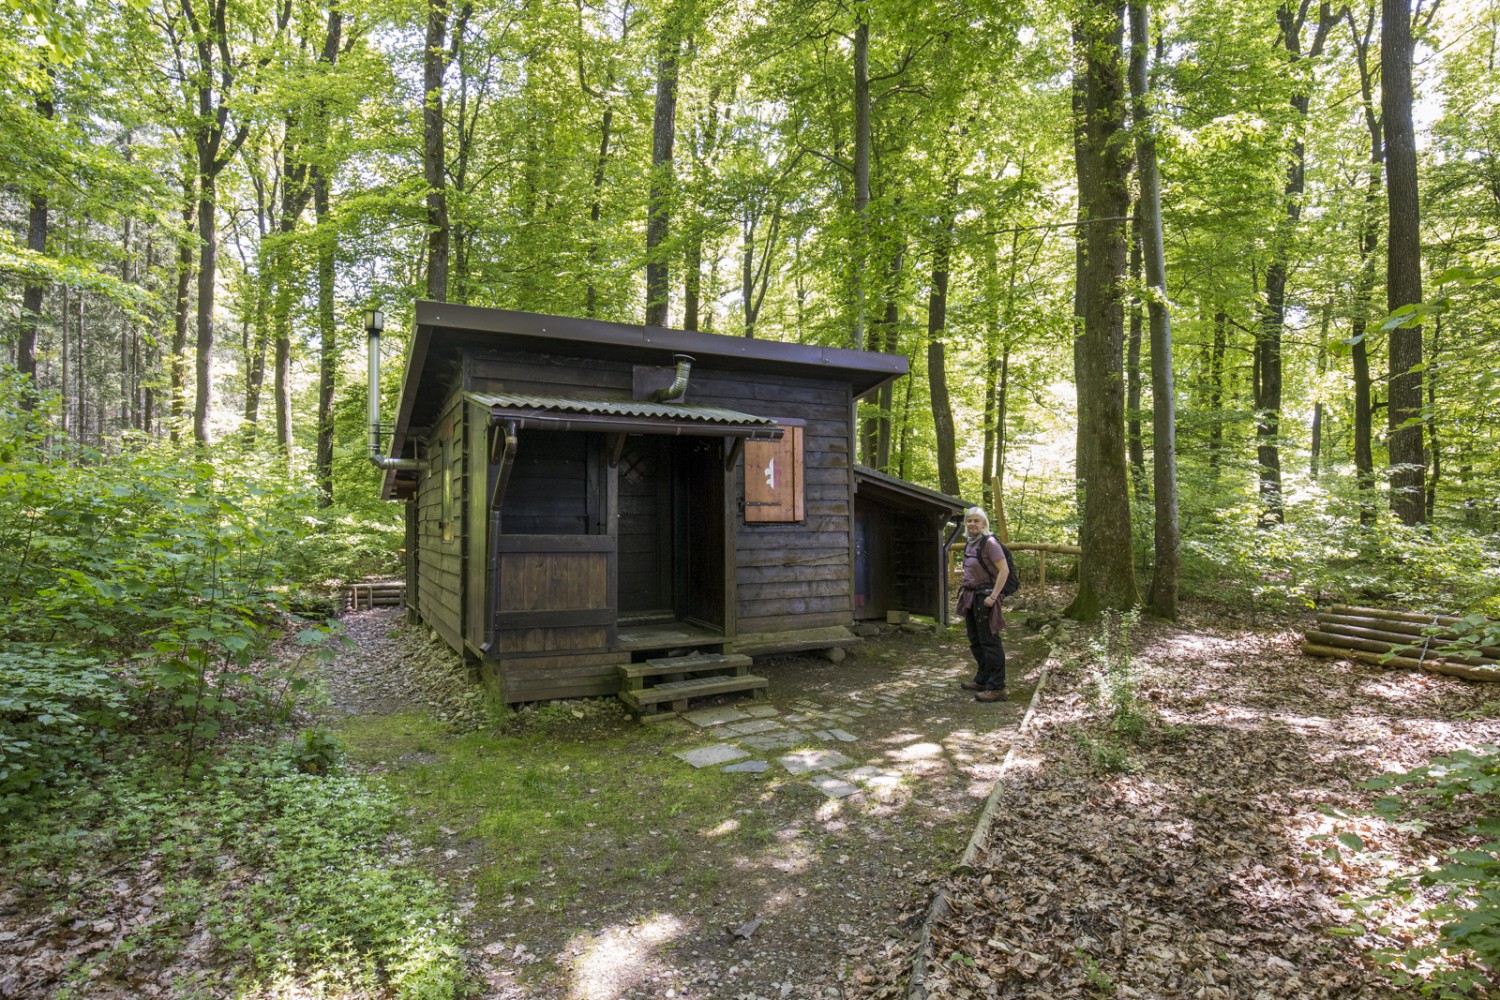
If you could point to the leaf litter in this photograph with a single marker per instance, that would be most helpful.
(1205, 869)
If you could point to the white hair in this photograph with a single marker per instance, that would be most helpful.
(979, 513)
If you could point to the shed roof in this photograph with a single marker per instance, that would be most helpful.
(878, 485)
(631, 416)
(445, 331)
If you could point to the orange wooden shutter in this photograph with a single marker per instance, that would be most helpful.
(773, 479)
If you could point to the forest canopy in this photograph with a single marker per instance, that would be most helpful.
(200, 198)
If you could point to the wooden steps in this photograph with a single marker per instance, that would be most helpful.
(686, 677)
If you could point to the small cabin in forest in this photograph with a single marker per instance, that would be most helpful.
(582, 496)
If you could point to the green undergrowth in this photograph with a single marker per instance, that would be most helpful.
(289, 874)
(553, 812)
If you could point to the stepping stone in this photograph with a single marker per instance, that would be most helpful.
(716, 753)
(842, 736)
(874, 777)
(747, 767)
(833, 787)
(753, 726)
(804, 761)
(786, 739)
(760, 711)
(824, 735)
(795, 717)
(714, 716)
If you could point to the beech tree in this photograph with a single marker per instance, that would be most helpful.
(1106, 574)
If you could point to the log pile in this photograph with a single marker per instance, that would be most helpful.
(375, 594)
(1420, 642)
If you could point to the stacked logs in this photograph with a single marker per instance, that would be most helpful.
(1370, 634)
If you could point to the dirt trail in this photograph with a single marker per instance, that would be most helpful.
(826, 908)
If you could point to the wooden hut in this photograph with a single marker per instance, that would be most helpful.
(572, 509)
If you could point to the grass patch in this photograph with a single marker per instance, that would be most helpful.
(559, 809)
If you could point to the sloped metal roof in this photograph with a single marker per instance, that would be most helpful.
(630, 408)
(868, 480)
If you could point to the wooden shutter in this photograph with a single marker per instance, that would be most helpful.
(773, 479)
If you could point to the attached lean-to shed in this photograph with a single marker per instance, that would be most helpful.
(584, 495)
(900, 556)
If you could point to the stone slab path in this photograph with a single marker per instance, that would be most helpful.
(746, 738)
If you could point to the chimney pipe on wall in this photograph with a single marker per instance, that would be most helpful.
(679, 384)
(374, 325)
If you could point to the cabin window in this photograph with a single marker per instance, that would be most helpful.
(774, 472)
(554, 487)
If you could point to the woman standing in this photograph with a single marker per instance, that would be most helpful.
(985, 572)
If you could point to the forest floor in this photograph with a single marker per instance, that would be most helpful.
(590, 861)
(1203, 865)
(1184, 864)
(586, 860)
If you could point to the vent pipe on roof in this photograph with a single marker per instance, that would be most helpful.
(679, 384)
(374, 325)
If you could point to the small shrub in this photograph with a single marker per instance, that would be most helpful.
(57, 707)
(1460, 954)
(316, 751)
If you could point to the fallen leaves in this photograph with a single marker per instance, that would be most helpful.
(1194, 876)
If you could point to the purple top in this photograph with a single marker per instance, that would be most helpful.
(977, 576)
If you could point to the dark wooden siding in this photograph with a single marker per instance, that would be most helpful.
(793, 576)
(476, 526)
(440, 530)
(549, 376)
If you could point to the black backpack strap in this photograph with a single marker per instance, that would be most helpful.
(984, 557)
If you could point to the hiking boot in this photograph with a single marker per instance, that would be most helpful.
(990, 695)
(969, 686)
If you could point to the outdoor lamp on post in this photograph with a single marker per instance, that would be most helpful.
(374, 324)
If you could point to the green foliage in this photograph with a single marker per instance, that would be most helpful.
(1324, 553)
(1114, 687)
(1460, 953)
(149, 583)
(315, 751)
(327, 903)
(57, 710)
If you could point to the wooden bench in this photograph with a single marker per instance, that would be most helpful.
(688, 677)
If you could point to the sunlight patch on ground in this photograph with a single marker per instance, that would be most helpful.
(723, 829)
(619, 956)
(917, 751)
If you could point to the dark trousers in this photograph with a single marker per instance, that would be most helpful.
(985, 645)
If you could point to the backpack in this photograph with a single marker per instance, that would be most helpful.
(1012, 582)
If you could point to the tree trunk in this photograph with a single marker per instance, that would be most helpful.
(861, 168)
(1432, 421)
(1364, 285)
(1163, 599)
(208, 267)
(1403, 276)
(435, 59)
(328, 349)
(1272, 326)
(1134, 445)
(1316, 457)
(876, 433)
(178, 361)
(32, 294)
(937, 374)
(1106, 568)
(663, 135)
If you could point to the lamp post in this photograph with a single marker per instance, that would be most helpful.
(374, 325)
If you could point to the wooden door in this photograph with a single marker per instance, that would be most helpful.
(645, 529)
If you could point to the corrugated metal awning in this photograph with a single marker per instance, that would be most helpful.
(623, 416)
